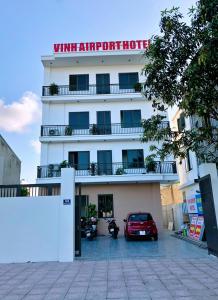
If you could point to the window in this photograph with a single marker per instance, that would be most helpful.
(133, 158)
(80, 160)
(105, 206)
(188, 163)
(79, 120)
(181, 122)
(128, 80)
(79, 82)
(130, 118)
(140, 217)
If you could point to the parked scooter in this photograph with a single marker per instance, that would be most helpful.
(113, 228)
(91, 229)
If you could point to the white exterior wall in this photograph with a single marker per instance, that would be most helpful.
(58, 114)
(61, 75)
(53, 153)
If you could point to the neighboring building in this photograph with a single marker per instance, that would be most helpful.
(10, 164)
(91, 117)
(171, 199)
(191, 170)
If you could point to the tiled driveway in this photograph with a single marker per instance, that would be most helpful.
(166, 247)
(163, 270)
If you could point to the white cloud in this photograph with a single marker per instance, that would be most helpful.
(36, 145)
(17, 116)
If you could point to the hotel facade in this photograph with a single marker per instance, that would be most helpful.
(92, 108)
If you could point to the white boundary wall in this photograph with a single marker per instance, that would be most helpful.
(38, 228)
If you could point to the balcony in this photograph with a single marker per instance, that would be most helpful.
(94, 129)
(93, 89)
(119, 169)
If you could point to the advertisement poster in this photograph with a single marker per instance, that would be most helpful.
(193, 226)
(192, 205)
(199, 228)
(199, 204)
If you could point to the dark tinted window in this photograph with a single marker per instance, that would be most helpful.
(133, 158)
(79, 120)
(128, 80)
(79, 82)
(105, 206)
(140, 217)
(80, 160)
(130, 118)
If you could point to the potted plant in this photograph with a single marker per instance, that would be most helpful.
(120, 171)
(53, 89)
(150, 164)
(68, 130)
(92, 212)
(92, 169)
(138, 87)
(94, 129)
(63, 164)
(24, 192)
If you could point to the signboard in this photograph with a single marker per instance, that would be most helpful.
(192, 205)
(199, 228)
(192, 226)
(101, 46)
(67, 202)
(199, 204)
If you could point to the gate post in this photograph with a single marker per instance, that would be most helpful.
(67, 216)
(210, 168)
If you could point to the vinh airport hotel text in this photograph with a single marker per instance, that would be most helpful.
(92, 109)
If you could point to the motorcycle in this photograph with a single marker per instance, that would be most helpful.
(91, 229)
(113, 229)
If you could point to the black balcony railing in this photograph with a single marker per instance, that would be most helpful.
(92, 89)
(94, 129)
(97, 169)
(30, 190)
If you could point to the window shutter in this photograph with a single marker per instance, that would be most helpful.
(72, 83)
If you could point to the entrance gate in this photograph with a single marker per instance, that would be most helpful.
(77, 221)
(209, 214)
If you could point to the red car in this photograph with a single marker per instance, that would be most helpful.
(140, 225)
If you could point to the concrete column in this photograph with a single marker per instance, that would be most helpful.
(205, 169)
(67, 216)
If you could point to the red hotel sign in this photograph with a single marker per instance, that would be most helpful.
(101, 46)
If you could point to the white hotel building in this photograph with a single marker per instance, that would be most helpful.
(91, 118)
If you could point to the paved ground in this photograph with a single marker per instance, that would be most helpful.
(169, 269)
(166, 247)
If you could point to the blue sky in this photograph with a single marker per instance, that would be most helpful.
(28, 29)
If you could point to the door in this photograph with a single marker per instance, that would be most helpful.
(103, 83)
(104, 122)
(209, 214)
(104, 162)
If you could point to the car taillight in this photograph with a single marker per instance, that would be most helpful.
(129, 224)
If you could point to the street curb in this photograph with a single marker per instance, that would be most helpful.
(189, 240)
